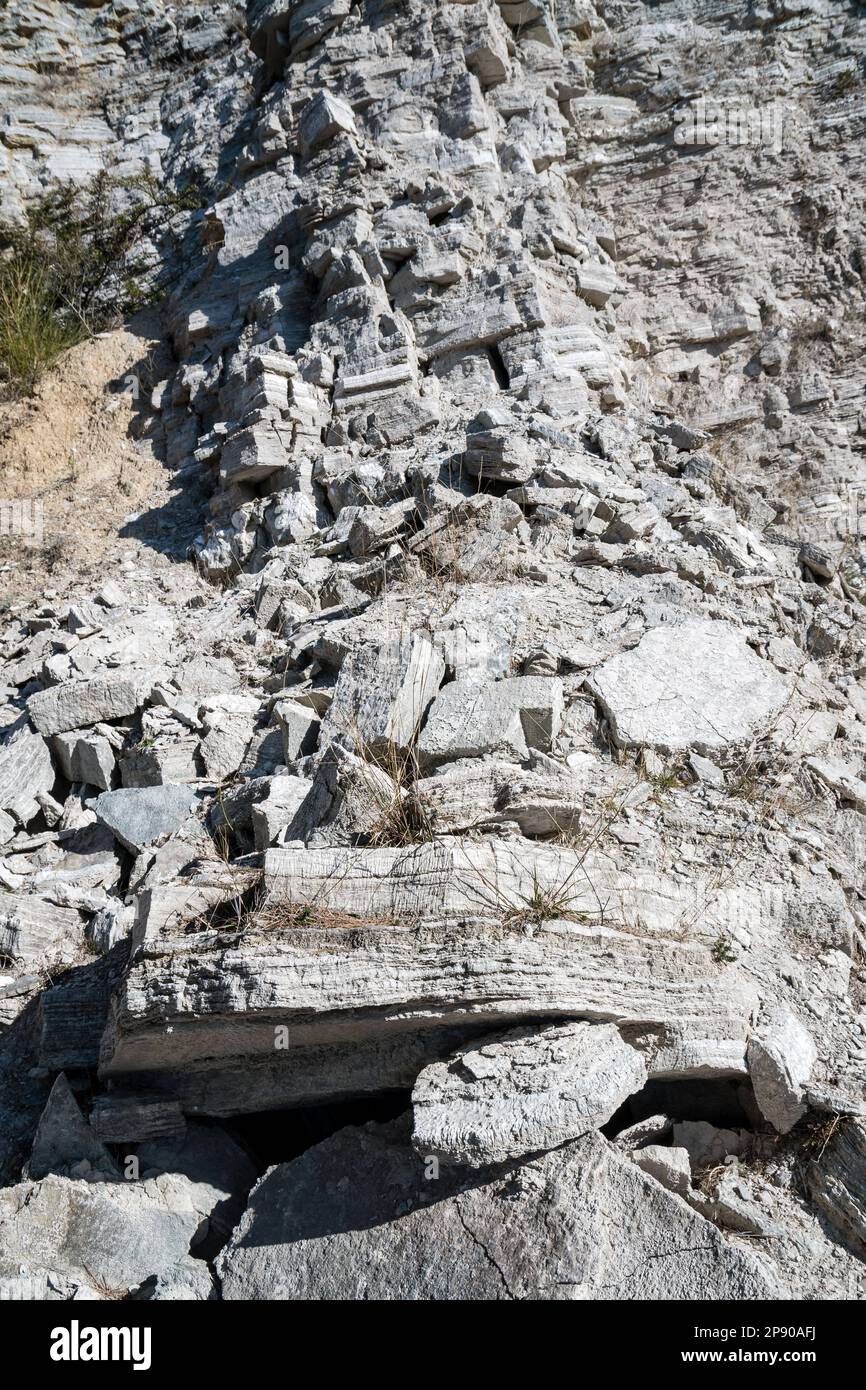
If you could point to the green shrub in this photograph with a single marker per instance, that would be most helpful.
(76, 267)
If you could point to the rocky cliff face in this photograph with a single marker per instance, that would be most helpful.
(443, 880)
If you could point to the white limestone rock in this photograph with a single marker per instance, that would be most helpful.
(692, 685)
(278, 809)
(521, 1092)
(471, 718)
(322, 118)
(671, 1167)
(781, 1056)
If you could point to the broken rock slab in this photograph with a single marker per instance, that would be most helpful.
(522, 1092)
(669, 1166)
(278, 808)
(471, 718)
(204, 1154)
(781, 1056)
(847, 785)
(299, 726)
(85, 757)
(580, 1222)
(138, 816)
(370, 1003)
(98, 1240)
(449, 877)
(25, 771)
(78, 704)
(323, 118)
(383, 693)
(36, 932)
(688, 685)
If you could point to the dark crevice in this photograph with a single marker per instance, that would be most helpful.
(727, 1104)
(277, 1136)
(499, 369)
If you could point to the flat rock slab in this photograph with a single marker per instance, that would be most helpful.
(691, 685)
(35, 931)
(522, 1092)
(470, 718)
(442, 878)
(138, 816)
(367, 1007)
(78, 704)
(359, 1217)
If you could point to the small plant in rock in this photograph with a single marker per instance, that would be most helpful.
(77, 266)
(543, 904)
(723, 953)
(663, 778)
(844, 82)
(399, 815)
(816, 1133)
(404, 819)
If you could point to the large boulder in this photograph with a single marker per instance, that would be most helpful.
(688, 685)
(362, 1216)
(523, 1091)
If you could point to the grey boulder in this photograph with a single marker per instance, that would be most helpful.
(523, 1091)
(688, 685)
(138, 816)
(362, 1217)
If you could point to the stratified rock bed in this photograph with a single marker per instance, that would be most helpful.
(497, 761)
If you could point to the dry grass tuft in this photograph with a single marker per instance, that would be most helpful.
(289, 916)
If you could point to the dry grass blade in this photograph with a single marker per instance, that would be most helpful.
(289, 916)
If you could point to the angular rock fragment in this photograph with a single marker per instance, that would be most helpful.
(669, 1166)
(35, 932)
(278, 808)
(299, 725)
(138, 816)
(25, 770)
(382, 695)
(78, 704)
(323, 118)
(470, 718)
(693, 685)
(252, 454)
(840, 779)
(85, 757)
(118, 1118)
(781, 1057)
(98, 1240)
(517, 1093)
(64, 1141)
